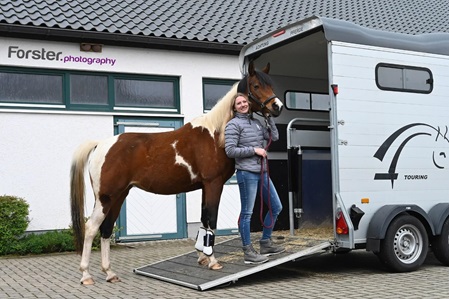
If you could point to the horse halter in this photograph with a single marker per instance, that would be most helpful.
(256, 100)
(262, 105)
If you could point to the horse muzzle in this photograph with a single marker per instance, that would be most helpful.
(276, 108)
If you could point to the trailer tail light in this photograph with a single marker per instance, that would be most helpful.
(341, 225)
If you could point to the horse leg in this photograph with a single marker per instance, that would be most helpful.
(106, 230)
(92, 226)
(209, 216)
(199, 246)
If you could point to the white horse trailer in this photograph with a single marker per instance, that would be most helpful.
(375, 106)
(362, 145)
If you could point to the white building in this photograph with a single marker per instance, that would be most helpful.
(72, 71)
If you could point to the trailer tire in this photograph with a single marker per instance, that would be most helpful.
(405, 246)
(440, 245)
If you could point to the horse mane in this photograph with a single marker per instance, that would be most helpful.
(216, 119)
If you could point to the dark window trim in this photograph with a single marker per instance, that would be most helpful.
(409, 67)
(111, 107)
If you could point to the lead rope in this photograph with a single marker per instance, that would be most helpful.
(263, 161)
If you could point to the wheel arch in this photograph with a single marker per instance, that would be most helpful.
(438, 214)
(382, 218)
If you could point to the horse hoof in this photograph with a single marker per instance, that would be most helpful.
(216, 266)
(203, 262)
(114, 279)
(88, 281)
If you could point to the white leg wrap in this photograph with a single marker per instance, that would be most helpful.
(209, 240)
(199, 245)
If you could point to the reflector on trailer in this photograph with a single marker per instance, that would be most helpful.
(334, 88)
(279, 33)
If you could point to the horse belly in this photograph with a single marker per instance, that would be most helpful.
(167, 179)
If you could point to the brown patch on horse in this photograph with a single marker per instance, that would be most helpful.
(140, 159)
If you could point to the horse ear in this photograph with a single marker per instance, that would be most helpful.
(266, 69)
(251, 70)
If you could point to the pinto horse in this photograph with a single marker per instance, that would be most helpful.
(189, 158)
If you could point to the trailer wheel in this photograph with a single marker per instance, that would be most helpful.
(440, 244)
(405, 245)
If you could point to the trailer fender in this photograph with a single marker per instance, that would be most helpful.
(382, 218)
(438, 214)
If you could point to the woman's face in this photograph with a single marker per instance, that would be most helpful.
(241, 104)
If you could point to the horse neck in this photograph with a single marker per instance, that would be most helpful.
(217, 120)
(221, 114)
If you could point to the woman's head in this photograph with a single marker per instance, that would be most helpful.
(241, 104)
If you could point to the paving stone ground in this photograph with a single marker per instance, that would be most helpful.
(357, 274)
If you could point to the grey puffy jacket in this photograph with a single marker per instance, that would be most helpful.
(242, 135)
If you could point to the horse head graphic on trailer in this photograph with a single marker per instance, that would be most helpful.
(438, 155)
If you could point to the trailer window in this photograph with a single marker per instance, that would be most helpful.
(404, 78)
(307, 101)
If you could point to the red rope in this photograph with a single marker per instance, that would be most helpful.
(263, 160)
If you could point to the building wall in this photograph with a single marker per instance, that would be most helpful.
(37, 144)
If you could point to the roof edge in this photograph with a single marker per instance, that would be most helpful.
(117, 39)
(345, 31)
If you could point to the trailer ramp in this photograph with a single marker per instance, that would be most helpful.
(185, 271)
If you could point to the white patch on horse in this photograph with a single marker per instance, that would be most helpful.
(278, 102)
(96, 161)
(200, 122)
(180, 160)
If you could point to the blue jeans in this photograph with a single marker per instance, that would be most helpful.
(248, 186)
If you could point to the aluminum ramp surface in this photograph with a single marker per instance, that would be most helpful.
(185, 271)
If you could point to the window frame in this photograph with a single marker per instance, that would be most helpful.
(215, 81)
(44, 72)
(404, 67)
(172, 79)
(310, 93)
(109, 107)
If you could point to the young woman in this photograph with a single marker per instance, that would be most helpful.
(244, 141)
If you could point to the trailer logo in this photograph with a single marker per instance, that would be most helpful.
(392, 175)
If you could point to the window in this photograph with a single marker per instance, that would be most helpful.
(88, 90)
(214, 90)
(31, 88)
(404, 78)
(74, 90)
(307, 101)
(142, 93)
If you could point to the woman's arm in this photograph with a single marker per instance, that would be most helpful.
(274, 130)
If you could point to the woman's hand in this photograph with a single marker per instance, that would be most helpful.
(260, 152)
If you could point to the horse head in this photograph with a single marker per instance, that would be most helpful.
(439, 153)
(259, 88)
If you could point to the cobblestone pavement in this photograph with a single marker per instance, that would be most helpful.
(357, 274)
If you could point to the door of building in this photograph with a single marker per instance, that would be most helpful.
(144, 215)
